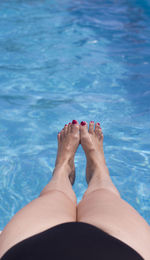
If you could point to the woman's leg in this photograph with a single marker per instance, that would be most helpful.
(56, 203)
(102, 205)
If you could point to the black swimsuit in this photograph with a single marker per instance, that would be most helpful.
(72, 241)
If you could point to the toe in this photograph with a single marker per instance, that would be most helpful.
(98, 131)
(83, 128)
(101, 133)
(61, 134)
(58, 137)
(65, 130)
(91, 127)
(69, 128)
(97, 127)
(74, 126)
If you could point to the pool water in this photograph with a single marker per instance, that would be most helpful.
(64, 60)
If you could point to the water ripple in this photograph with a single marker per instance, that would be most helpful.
(73, 60)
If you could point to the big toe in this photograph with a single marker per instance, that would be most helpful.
(75, 127)
(83, 129)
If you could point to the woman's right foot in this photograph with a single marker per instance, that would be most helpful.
(92, 143)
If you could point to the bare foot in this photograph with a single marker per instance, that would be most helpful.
(68, 142)
(92, 143)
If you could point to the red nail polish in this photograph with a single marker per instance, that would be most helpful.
(92, 122)
(74, 122)
(65, 125)
(69, 123)
(83, 123)
(98, 123)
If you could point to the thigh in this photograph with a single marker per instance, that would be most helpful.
(46, 211)
(115, 216)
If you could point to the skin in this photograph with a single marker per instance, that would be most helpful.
(101, 205)
(92, 143)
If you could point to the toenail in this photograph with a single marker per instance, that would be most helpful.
(98, 123)
(69, 123)
(65, 125)
(74, 122)
(92, 122)
(83, 123)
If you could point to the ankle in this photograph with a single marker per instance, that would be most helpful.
(99, 173)
(96, 161)
(96, 168)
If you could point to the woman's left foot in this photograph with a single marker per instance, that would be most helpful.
(68, 142)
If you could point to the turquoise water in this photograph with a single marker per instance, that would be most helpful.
(83, 60)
